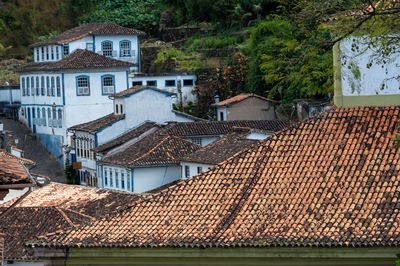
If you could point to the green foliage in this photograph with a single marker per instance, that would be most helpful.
(138, 14)
(288, 62)
(197, 42)
(70, 175)
(182, 61)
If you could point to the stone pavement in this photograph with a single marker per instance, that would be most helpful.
(46, 164)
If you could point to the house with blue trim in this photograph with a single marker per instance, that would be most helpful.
(71, 77)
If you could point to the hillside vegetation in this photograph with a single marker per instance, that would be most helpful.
(277, 48)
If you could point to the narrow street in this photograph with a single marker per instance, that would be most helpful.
(46, 164)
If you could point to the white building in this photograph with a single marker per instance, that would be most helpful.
(182, 84)
(131, 109)
(72, 76)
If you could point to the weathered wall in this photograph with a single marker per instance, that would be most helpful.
(251, 109)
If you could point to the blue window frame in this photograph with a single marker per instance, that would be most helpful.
(111, 177)
(152, 83)
(37, 86)
(116, 179)
(107, 48)
(23, 86)
(122, 179)
(188, 82)
(128, 181)
(137, 83)
(65, 50)
(37, 54)
(33, 85)
(58, 83)
(125, 48)
(48, 85)
(42, 85)
(107, 84)
(28, 87)
(82, 85)
(57, 53)
(105, 177)
(52, 87)
(170, 83)
(42, 53)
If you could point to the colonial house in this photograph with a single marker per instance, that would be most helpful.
(72, 76)
(180, 83)
(49, 208)
(220, 150)
(15, 178)
(246, 107)
(131, 109)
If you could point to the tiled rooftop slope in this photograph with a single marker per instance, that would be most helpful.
(329, 181)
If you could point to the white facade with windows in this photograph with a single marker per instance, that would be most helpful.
(192, 169)
(182, 84)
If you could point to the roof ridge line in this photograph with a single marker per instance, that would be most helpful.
(81, 214)
(65, 216)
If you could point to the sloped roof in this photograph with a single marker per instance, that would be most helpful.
(51, 208)
(332, 180)
(241, 97)
(220, 150)
(155, 149)
(192, 117)
(11, 170)
(79, 59)
(132, 134)
(97, 124)
(214, 128)
(96, 28)
(135, 89)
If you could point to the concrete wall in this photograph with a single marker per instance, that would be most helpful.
(356, 84)
(251, 109)
(193, 168)
(146, 179)
(8, 95)
(187, 95)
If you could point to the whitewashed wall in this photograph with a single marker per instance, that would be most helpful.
(354, 62)
(193, 168)
(146, 179)
(6, 97)
(187, 94)
(116, 46)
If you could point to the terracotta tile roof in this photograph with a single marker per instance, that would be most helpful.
(155, 149)
(239, 98)
(96, 28)
(52, 208)
(97, 124)
(135, 89)
(11, 170)
(24, 161)
(79, 59)
(215, 128)
(332, 180)
(220, 150)
(146, 127)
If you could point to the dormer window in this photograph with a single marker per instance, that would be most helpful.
(106, 48)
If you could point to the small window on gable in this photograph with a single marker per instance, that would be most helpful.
(107, 84)
(221, 116)
(197, 141)
(199, 169)
(137, 83)
(65, 50)
(106, 48)
(121, 109)
(116, 108)
(170, 83)
(125, 48)
(152, 83)
(187, 171)
(83, 85)
(188, 82)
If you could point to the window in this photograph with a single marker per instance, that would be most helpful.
(111, 178)
(137, 83)
(128, 181)
(42, 85)
(107, 83)
(121, 109)
(52, 53)
(116, 179)
(52, 87)
(116, 108)
(49, 117)
(44, 116)
(57, 53)
(37, 86)
(152, 83)
(58, 83)
(82, 85)
(42, 53)
(197, 141)
(125, 48)
(39, 121)
(105, 176)
(122, 180)
(65, 50)
(89, 46)
(23, 86)
(188, 82)
(33, 86)
(221, 116)
(48, 85)
(47, 53)
(106, 48)
(37, 55)
(187, 171)
(199, 169)
(59, 118)
(27, 86)
(54, 118)
(170, 83)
